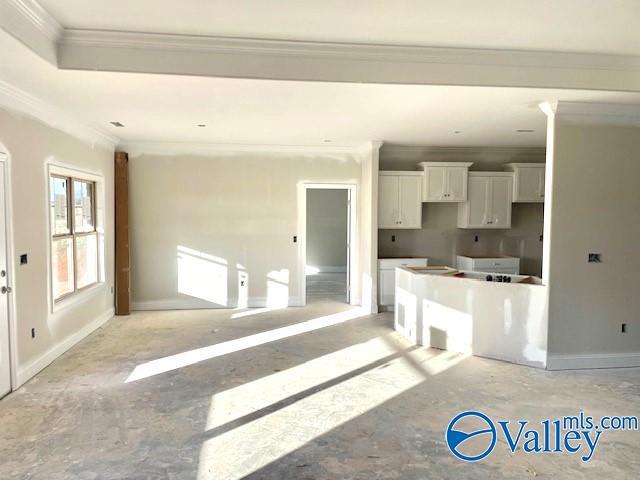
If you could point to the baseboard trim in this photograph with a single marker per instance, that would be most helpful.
(596, 360)
(195, 304)
(27, 372)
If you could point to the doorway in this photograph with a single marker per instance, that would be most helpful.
(5, 290)
(326, 243)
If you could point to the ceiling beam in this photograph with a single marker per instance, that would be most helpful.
(343, 62)
(136, 52)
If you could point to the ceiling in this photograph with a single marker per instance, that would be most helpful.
(602, 26)
(169, 108)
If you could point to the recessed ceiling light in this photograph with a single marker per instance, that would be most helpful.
(524, 130)
(202, 125)
(456, 132)
(327, 140)
(117, 124)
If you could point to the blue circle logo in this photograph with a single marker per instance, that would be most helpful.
(471, 425)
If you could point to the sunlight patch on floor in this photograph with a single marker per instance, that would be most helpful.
(239, 452)
(191, 357)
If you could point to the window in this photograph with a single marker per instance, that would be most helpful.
(74, 238)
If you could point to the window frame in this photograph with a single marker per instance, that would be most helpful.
(70, 176)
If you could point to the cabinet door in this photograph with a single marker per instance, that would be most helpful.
(388, 198)
(529, 187)
(479, 201)
(434, 184)
(501, 192)
(456, 184)
(410, 201)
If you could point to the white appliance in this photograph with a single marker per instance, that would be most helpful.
(499, 264)
(387, 278)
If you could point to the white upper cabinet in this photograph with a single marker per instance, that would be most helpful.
(445, 181)
(400, 199)
(528, 181)
(489, 201)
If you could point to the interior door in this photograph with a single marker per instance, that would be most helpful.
(388, 201)
(349, 245)
(5, 357)
(410, 201)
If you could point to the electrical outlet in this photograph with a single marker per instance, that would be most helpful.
(541, 238)
(475, 239)
(23, 259)
(295, 239)
(393, 238)
(242, 283)
(594, 258)
(624, 328)
(33, 333)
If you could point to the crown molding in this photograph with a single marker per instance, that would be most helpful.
(346, 51)
(31, 24)
(160, 148)
(139, 52)
(342, 62)
(39, 18)
(593, 113)
(16, 100)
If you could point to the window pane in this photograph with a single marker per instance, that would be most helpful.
(87, 259)
(59, 205)
(62, 258)
(83, 206)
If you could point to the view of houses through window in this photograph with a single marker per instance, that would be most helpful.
(74, 249)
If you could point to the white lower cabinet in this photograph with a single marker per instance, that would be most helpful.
(387, 277)
(400, 200)
(489, 201)
(507, 265)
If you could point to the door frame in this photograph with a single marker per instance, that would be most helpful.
(352, 225)
(5, 159)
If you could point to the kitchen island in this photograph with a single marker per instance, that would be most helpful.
(463, 312)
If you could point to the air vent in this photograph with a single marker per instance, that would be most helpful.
(524, 130)
(117, 124)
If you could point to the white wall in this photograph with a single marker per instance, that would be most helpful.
(595, 208)
(202, 224)
(31, 145)
(327, 217)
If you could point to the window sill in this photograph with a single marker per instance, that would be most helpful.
(78, 297)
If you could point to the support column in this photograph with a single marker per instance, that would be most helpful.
(123, 263)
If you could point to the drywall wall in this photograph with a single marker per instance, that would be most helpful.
(216, 229)
(595, 208)
(32, 145)
(439, 239)
(327, 229)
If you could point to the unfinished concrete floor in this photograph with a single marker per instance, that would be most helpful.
(283, 395)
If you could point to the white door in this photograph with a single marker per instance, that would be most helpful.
(434, 184)
(5, 357)
(410, 201)
(388, 201)
(348, 245)
(457, 184)
(501, 192)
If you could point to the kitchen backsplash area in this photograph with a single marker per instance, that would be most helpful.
(441, 241)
